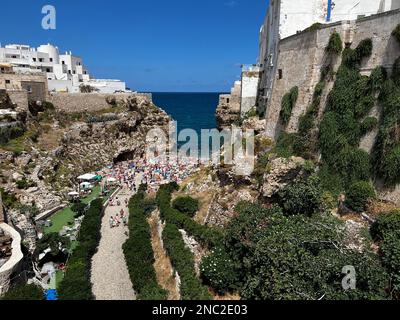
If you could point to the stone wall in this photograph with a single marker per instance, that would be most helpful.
(302, 57)
(36, 84)
(19, 98)
(12, 264)
(84, 102)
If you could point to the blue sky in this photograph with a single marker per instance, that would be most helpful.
(154, 45)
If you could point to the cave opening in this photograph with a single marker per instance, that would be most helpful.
(125, 156)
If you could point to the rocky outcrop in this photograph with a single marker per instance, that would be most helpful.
(280, 172)
(254, 123)
(226, 115)
(41, 176)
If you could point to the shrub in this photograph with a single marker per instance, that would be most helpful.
(386, 230)
(9, 199)
(24, 184)
(390, 166)
(76, 284)
(396, 33)
(335, 45)
(287, 105)
(297, 257)
(396, 72)
(302, 197)
(138, 250)
(79, 209)
(53, 241)
(364, 49)
(206, 236)
(385, 223)
(284, 145)
(187, 205)
(377, 78)
(8, 133)
(183, 261)
(353, 164)
(218, 270)
(368, 124)
(359, 194)
(24, 292)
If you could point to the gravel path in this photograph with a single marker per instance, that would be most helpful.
(110, 277)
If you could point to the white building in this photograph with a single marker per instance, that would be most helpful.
(288, 17)
(65, 72)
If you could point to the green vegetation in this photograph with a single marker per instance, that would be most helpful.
(76, 284)
(9, 199)
(303, 197)
(181, 257)
(27, 292)
(79, 209)
(218, 271)
(314, 27)
(24, 184)
(386, 231)
(287, 105)
(284, 145)
(368, 124)
(386, 154)
(358, 195)
(396, 33)
(53, 241)
(335, 45)
(345, 123)
(87, 89)
(294, 257)
(139, 253)
(187, 205)
(206, 236)
(8, 133)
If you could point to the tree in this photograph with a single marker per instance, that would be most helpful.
(303, 197)
(298, 257)
(186, 204)
(24, 292)
(85, 88)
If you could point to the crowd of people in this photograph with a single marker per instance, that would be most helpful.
(130, 174)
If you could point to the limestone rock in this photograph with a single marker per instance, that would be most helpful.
(254, 123)
(281, 172)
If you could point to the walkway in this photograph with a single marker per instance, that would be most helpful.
(110, 277)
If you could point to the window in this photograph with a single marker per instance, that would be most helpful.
(2, 69)
(40, 59)
(14, 57)
(48, 70)
(85, 72)
(29, 88)
(74, 72)
(69, 71)
(280, 71)
(63, 62)
(227, 100)
(8, 81)
(51, 59)
(34, 59)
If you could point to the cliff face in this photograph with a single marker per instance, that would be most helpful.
(303, 56)
(40, 167)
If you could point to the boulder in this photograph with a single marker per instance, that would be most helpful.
(281, 172)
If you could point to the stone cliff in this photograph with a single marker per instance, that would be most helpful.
(39, 168)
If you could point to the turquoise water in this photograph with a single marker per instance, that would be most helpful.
(191, 110)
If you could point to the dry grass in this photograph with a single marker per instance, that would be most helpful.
(227, 297)
(162, 262)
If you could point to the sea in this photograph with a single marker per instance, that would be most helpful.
(190, 110)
